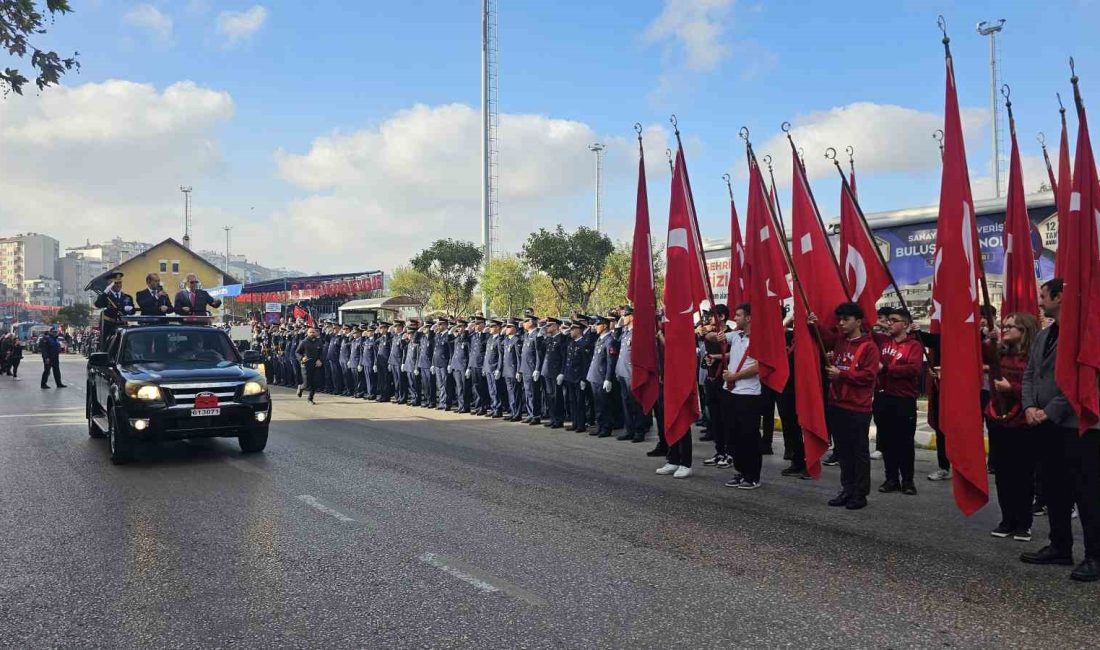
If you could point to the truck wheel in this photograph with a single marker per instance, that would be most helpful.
(89, 409)
(122, 447)
(253, 441)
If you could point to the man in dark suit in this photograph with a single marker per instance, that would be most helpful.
(51, 350)
(193, 300)
(116, 307)
(152, 301)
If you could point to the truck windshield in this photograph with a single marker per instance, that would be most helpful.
(198, 347)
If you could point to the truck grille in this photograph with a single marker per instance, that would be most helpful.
(184, 394)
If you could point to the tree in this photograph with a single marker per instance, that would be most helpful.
(544, 300)
(407, 281)
(616, 277)
(76, 315)
(453, 266)
(19, 21)
(507, 283)
(574, 262)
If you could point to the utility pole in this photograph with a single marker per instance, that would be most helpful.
(489, 145)
(226, 229)
(598, 148)
(991, 29)
(186, 216)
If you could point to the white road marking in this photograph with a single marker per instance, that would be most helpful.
(477, 578)
(320, 507)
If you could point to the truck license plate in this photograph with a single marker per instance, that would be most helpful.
(195, 413)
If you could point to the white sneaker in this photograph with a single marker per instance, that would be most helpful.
(940, 475)
(667, 468)
(876, 455)
(682, 472)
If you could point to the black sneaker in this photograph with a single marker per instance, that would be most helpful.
(856, 503)
(830, 460)
(793, 470)
(908, 488)
(655, 452)
(890, 486)
(839, 500)
(1023, 535)
(1038, 510)
(1002, 530)
(713, 460)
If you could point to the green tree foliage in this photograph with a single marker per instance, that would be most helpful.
(407, 281)
(616, 277)
(544, 300)
(507, 283)
(77, 315)
(574, 262)
(20, 21)
(453, 267)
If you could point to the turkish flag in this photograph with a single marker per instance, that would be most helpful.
(1079, 339)
(768, 286)
(1021, 293)
(685, 290)
(864, 273)
(641, 293)
(819, 277)
(298, 312)
(735, 287)
(955, 301)
(1061, 198)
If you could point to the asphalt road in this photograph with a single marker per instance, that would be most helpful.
(368, 525)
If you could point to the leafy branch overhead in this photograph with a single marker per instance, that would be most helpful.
(20, 21)
(574, 261)
(453, 267)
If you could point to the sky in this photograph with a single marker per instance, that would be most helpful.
(345, 136)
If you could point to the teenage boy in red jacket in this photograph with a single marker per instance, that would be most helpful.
(851, 373)
(895, 406)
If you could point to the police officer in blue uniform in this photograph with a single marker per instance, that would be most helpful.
(424, 365)
(491, 369)
(479, 402)
(344, 360)
(577, 358)
(335, 381)
(355, 362)
(408, 366)
(510, 349)
(458, 364)
(529, 368)
(553, 372)
(601, 376)
(381, 364)
(441, 358)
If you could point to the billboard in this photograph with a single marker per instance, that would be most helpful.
(910, 249)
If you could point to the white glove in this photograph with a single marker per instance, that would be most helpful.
(519, 377)
(416, 372)
(607, 386)
(560, 379)
(496, 374)
(467, 373)
(360, 368)
(374, 368)
(535, 375)
(127, 308)
(349, 365)
(583, 385)
(404, 368)
(449, 369)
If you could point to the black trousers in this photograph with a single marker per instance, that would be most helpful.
(747, 456)
(601, 400)
(577, 411)
(532, 393)
(554, 401)
(767, 417)
(719, 406)
(679, 453)
(851, 442)
(1070, 467)
(633, 418)
(479, 391)
(311, 376)
(1015, 477)
(896, 422)
(337, 376)
(515, 396)
(461, 403)
(48, 365)
(793, 445)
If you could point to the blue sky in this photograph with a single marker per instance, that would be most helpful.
(383, 181)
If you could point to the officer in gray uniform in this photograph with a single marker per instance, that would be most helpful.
(441, 357)
(529, 368)
(491, 369)
(509, 367)
(396, 359)
(553, 372)
(409, 361)
(479, 402)
(633, 418)
(459, 362)
(355, 359)
(381, 362)
(601, 376)
(368, 358)
(424, 365)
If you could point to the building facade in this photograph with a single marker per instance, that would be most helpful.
(41, 291)
(75, 272)
(26, 257)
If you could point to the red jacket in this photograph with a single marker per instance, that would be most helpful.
(858, 361)
(901, 366)
(1012, 367)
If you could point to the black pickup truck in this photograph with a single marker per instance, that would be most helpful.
(160, 382)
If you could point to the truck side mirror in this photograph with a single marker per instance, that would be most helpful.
(252, 356)
(99, 360)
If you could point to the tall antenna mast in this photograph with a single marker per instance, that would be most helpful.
(598, 148)
(186, 216)
(490, 152)
(991, 28)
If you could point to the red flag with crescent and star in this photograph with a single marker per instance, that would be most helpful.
(735, 287)
(864, 273)
(1021, 292)
(640, 292)
(685, 291)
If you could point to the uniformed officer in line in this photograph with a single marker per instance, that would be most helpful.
(354, 360)
(116, 306)
(290, 360)
(555, 343)
(601, 375)
(334, 382)
(408, 367)
(381, 362)
(366, 359)
(529, 362)
(459, 363)
(491, 369)
(345, 359)
(513, 380)
(577, 356)
(633, 418)
(615, 316)
(398, 345)
(441, 358)
(479, 392)
(424, 365)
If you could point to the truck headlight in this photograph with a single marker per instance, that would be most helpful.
(145, 392)
(254, 388)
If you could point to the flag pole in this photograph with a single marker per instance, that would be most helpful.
(1042, 138)
(783, 247)
(641, 156)
(786, 127)
(694, 215)
(937, 135)
(773, 195)
(668, 154)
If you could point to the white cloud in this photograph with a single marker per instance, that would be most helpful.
(885, 138)
(155, 23)
(240, 26)
(104, 159)
(381, 194)
(697, 27)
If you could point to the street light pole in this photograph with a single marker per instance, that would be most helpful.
(598, 148)
(991, 29)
